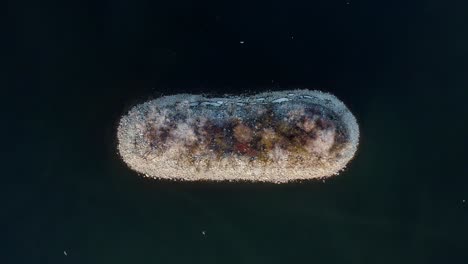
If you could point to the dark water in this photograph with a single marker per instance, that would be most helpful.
(73, 67)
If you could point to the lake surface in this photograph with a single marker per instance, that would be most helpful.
(72, 69)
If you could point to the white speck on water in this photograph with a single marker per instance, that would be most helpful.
(65, 253)
(241, 42)
(463, 201)
(203, 232)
